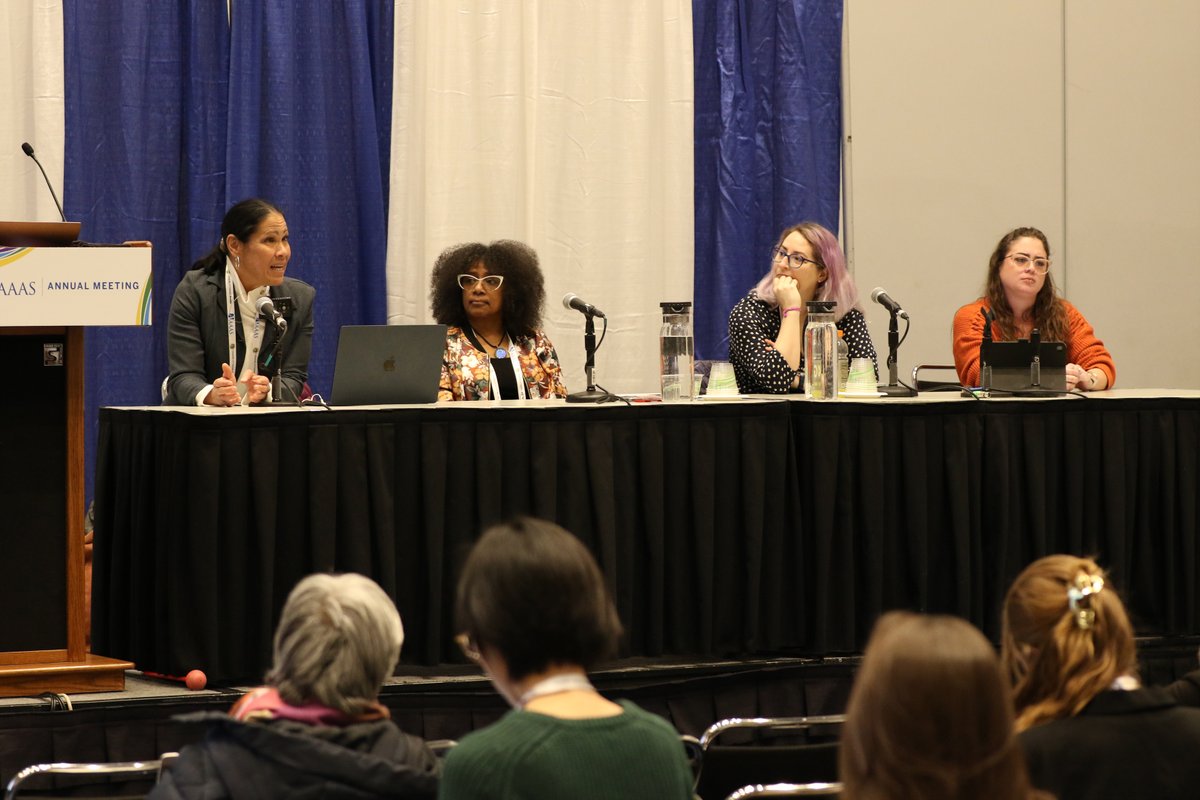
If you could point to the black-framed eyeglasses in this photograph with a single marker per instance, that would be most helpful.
(466, 643)
(1042, 265)
(490, 282)
(794, 260)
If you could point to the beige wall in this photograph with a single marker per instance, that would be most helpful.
(967, 118)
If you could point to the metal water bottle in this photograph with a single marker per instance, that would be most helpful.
(675, 352)
(821, 352)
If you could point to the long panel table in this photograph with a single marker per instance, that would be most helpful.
(204, 521)
(723, 529)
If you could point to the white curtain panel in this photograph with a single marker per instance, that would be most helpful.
(31, 94)
(563, 123)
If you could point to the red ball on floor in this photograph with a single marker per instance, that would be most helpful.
(196, 680)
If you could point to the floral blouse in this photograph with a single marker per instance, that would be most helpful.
(466, 374)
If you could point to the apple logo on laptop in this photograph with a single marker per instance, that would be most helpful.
(390, 364)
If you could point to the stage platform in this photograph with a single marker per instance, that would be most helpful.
(448, 702)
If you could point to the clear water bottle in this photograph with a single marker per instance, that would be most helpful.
(675, 367)
(820, 352)
(843, 361)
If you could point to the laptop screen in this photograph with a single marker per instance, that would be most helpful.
(388, 364)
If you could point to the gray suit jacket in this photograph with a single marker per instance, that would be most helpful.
(198, 338)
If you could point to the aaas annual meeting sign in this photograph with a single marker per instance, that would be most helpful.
(74, 286)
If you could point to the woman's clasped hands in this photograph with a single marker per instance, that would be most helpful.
(226, 392)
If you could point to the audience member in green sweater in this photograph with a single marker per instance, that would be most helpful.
(536, 616)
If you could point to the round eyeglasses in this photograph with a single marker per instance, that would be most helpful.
(794, 260)
(1041, 265)
(490, 282)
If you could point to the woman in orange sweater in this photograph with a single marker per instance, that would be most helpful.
(1021, 295)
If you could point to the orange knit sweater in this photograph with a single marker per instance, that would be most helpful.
(1083, 348)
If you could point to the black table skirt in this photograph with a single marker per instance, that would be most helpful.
(204, 523)
(729, 529)
(938, 507)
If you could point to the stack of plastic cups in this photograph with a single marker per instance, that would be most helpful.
(721, 380)
(862, 378)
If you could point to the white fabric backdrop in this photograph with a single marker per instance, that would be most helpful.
(31, 87)
(565, 124)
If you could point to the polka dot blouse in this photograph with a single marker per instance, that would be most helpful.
(763, 370)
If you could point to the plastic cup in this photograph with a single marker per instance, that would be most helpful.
(721, 380)
(862, 377)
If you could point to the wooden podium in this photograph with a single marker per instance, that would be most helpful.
(47, 296)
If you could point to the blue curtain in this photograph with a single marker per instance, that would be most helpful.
(146, 92)
(174, 112)
(767, 141)
(310, 130)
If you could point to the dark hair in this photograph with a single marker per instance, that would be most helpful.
(524, 288)
(930, 716)
(241, 220)
(533, 592)
(1048, 314)
(1057, 662)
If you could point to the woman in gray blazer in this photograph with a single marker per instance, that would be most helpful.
(231, 310)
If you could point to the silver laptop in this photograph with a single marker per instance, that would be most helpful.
(388, 364)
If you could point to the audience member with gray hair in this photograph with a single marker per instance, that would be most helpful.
(317, 728)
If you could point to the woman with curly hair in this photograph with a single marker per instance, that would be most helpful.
(1088, 727)
(491, 296)
(1020, 293)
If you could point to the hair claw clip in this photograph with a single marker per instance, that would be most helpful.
(1077, 596)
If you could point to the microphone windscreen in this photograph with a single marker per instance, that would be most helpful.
(569, 298)
(27, 147)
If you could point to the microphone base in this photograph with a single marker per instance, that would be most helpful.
(895, 391)
(588, 396)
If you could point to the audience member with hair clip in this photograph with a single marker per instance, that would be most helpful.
(536, 616)
(317, 729)
(930, 717)
(1088, 727)
(1020, 293)
(218, 350)
(491, 296)
(766, 327)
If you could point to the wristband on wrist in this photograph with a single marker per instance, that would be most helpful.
(787, 311)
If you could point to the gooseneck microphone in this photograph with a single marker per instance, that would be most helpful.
(573, 301)
(28, 148)
(265, 307)
(881, 297)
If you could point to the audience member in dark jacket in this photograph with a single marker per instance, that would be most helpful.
(317, 729)
(1186, 690)
(1088, 727)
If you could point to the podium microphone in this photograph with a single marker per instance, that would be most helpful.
(266, 309)
(28, 148)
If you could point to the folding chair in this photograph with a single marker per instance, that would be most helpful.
(136, 778)
(940, 384)
(788, 790)
(809, 755)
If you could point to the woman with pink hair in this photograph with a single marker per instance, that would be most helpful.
(766, 327)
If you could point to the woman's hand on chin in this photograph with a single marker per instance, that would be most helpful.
(787, 292)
